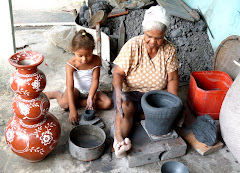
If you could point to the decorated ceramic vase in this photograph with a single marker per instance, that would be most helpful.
(33, 132)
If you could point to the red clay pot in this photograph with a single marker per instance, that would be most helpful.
(27, 80)
(33, 141)
(33, 132)
(30, 109)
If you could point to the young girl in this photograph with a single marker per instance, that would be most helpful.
(82, 75)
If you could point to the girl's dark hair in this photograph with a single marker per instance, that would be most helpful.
(82, 40)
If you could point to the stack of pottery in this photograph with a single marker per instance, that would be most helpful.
(33, 132)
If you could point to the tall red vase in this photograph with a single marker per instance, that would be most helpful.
(33, 132)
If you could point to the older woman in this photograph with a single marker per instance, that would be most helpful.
(146, 62)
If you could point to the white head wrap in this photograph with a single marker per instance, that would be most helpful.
(156, 14)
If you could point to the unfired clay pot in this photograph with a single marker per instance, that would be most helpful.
(88, 114)
(33, 132)
(161, 108)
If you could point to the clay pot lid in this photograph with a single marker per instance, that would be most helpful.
(227, 56)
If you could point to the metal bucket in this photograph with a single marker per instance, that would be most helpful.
(86, 142)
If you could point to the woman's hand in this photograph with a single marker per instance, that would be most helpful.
(119, 103)
(73, 117)
(89, 103)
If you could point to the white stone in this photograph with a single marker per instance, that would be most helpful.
(61, 36)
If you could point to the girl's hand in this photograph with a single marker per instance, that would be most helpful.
(73, 117)
(89, 103)
(119, 103)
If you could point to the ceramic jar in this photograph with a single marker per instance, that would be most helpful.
(33, 132)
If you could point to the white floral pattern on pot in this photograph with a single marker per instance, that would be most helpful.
(44, 135)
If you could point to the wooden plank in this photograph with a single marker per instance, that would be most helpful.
(174, 8)
(200, 147)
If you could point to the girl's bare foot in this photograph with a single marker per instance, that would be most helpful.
(53, 94)
(121, 147)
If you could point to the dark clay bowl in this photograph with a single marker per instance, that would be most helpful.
(88, 114)
(174, 167)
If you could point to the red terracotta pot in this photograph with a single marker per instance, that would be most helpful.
(33, 132)
(30, 109)
(27, 80)
(33, 142)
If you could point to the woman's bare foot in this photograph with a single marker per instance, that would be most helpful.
(121, 147)
(53, 94)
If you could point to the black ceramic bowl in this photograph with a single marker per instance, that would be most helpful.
(88, 114)
(174, 167)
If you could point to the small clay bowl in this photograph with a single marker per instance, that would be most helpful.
(88, 114)
(174, 167)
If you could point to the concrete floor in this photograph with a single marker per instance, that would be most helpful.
(60, 160)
